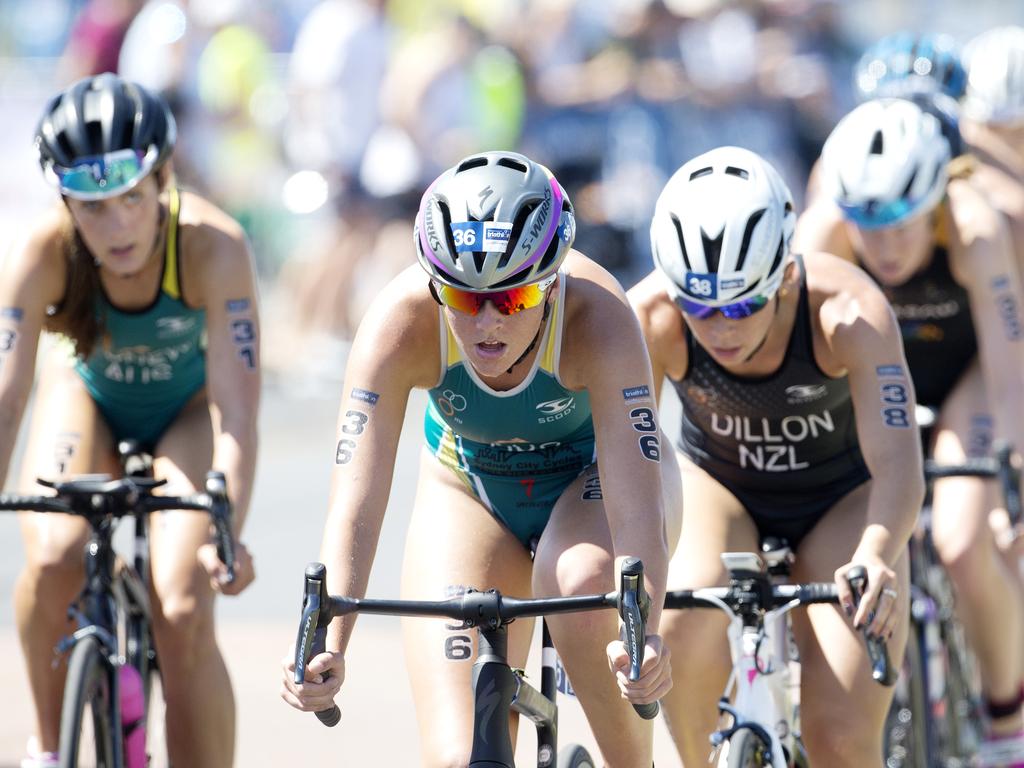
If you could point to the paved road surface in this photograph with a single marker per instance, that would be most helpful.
(256, 629)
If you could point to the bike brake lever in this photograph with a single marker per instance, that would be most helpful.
(882, 670)
(312, 639)
(216, 489)
(634, 605)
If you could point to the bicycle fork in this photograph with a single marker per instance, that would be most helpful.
(760, 682)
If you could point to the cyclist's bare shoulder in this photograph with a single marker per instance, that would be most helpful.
(401, 330)
(599, 323)
(822, 228)
(971, 216)
(847, 307)
(213, 247)
(660, 319)
(36, 262)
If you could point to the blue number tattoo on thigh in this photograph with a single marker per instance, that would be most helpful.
(1006, 304)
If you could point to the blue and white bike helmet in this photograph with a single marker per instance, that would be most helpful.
(905, 64)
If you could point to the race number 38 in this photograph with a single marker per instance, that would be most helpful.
(700, 286)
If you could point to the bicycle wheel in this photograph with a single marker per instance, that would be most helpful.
(575, 756)
(906, 727)
(86, 731)
(964, 722)
(748, 750)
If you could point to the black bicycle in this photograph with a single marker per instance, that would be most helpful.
(936, 720)
(497, 688)
(112, 654)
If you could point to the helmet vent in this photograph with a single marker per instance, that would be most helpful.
(517, 230)
(478, 259)
(732, 170)
(910, 183)
(748, 233)
(515, 165)
(876, 144)
(702, 172)
(787, 208)
(712, 249)
(682, 242)
(473, 162)
(446, 220)
(778, 255)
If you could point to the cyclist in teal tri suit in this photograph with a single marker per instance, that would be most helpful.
(153, 294)
(537, 375)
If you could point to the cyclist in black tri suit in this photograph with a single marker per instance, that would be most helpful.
(797, 422)
(942, 255)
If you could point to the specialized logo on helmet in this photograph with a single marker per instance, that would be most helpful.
(805, 393)
(557, 409)
(539, 223)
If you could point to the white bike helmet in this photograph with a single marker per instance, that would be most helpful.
(722, 227)
(493, 221)
(885, 162)
(995, 79)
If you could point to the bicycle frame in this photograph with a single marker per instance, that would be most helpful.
(759, 683)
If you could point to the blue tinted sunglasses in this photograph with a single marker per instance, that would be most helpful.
(735, 311)
(873, 216)
(101, 176)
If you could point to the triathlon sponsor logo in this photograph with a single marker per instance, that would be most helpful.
(365, 395)
(805, 393)
(142, 364)
(556, 409)
(167, 327)
(939, 311)
(771, 445)
(890, 372)
(642, 392)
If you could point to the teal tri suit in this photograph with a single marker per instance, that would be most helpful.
(518, 450)
(150, 361)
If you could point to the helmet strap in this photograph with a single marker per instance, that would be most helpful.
(766, 333)
(536, 337)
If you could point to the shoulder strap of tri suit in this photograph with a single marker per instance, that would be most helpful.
(171, 284)
(552, 351)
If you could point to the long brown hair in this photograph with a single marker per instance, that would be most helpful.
(78, 315)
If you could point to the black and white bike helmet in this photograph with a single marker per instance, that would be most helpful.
(885, 162)
(495, 220)
(722, 228)
(103, 135)
(995, 76)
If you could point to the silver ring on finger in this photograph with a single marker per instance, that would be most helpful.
(890, 592)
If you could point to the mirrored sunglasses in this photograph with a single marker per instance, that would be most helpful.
(101, 176)
(507, 302)
(873, 216)
(735, 311)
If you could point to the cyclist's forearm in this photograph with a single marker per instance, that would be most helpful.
(11, 410)
(651, 548)
(234, 454)
(349, 546)
(892, 513)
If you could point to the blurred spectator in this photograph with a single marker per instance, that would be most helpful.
(94, 44)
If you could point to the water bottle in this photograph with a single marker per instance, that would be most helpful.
(133, 711)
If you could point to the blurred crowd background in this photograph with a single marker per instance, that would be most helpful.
(318, 123)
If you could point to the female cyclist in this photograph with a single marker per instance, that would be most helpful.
(537, 375)
(942, 257)
(153, 291)
(798, 423)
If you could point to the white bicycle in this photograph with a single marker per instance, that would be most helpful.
(763, 719)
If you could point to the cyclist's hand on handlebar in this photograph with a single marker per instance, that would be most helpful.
(316, 693)
(655, 674)
(245, 571)
(877, 609)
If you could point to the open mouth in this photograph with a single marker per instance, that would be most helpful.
(490, 349)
